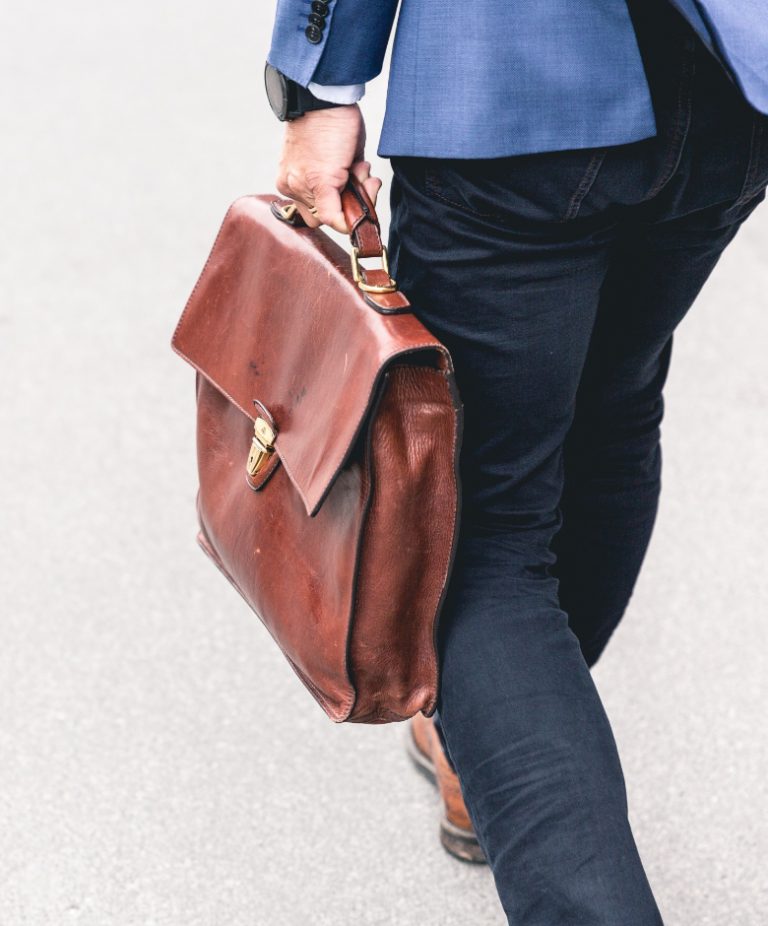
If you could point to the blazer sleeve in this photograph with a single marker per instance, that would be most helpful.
(351, 46)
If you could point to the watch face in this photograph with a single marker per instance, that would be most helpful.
(277, 91)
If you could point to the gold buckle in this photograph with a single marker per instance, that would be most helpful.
(357, 274)
(261, 447)
(287, 211)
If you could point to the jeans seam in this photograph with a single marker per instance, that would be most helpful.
(585, 184)
(433, 189)
(682, 123)
(749, 188)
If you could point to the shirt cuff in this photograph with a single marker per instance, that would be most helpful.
(341, 93)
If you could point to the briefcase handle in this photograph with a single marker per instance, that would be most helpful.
(364, 236)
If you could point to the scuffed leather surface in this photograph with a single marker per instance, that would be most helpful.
(409, 530)
(296, 572)
(276, 316)
(345, 549)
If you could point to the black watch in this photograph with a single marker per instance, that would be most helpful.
(288, 99)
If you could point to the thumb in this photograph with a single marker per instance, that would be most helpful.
(372, 185)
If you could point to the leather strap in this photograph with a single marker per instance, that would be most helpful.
(361, 218)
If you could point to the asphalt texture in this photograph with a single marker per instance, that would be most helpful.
(160, 764)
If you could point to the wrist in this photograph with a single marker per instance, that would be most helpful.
(323, 125)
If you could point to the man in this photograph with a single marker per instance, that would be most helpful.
(566, 176)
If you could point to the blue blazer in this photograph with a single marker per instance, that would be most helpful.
(488, 78)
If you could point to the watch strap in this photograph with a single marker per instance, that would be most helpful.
(301, 100)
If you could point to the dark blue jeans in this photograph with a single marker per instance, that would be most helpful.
(557, 280)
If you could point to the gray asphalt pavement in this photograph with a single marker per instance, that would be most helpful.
(160, 764)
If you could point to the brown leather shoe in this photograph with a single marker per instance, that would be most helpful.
(425, 749)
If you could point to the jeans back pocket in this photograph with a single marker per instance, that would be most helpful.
(547, 186)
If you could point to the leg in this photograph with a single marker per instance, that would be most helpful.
(613, 454)
(514, 298)
(701, 179)
(512, 271)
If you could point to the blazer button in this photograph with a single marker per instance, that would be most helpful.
(314, 34)
(319, 7)
(316, 20)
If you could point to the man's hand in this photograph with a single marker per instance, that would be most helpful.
(320, 150)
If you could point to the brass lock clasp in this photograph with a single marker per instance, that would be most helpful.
(261, 447)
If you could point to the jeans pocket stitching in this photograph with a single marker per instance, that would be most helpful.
(750, 186)
(585, 184)
(433, 188)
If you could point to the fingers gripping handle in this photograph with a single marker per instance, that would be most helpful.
(376, 284)
(359, 214)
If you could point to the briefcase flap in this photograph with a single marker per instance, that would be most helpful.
(277, 317)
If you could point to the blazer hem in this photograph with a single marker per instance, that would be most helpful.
(449, 148)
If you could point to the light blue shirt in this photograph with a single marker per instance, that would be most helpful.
(488, 78)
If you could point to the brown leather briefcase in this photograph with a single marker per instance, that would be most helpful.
(328, 435)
